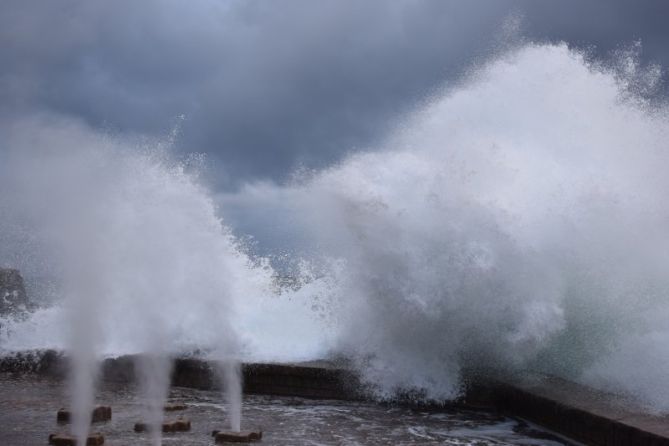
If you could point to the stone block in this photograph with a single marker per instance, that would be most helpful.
(236, 437)
(98, 414)
(67, 440)
(178, 425)
(101, 413)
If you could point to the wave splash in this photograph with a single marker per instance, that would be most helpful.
(514, 222)
(517, 221)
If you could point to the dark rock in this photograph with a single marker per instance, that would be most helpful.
(236, 437)
(99, 414)
(66, 440)
(13, 297)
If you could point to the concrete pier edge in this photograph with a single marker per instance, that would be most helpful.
(579, 412)
(573, 410)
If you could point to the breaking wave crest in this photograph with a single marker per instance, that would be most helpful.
(517, 221)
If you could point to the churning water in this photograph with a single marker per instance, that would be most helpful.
(26, 404)
(517, 221)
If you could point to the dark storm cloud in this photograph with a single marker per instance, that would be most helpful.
(604, 24)
(266, 85)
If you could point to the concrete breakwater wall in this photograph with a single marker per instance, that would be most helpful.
(308, 380)
(581, 413)
(304, 380)
(578, 412)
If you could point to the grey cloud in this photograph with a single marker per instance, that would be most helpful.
(266, 85)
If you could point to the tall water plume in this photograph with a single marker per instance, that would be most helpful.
(154, 374)
(515, 221)
(231, 377)
(149, 267)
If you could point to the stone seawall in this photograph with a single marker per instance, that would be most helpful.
(581, 413)
(308, 380)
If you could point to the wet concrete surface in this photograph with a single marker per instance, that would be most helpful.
(585, 414)
(28, 406)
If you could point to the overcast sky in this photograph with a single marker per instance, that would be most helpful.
(267, 86)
